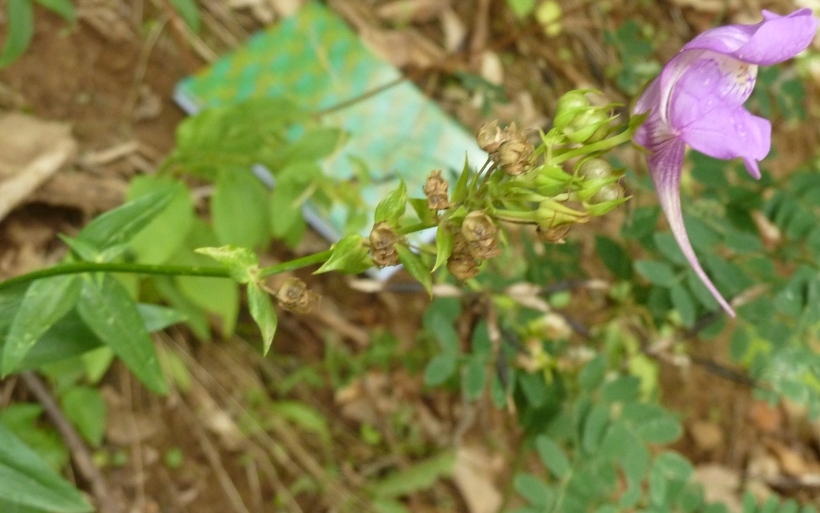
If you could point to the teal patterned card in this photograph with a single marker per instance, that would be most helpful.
(316, 61)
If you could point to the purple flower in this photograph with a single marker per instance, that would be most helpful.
(698, 100)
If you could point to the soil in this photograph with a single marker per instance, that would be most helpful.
(209, 446)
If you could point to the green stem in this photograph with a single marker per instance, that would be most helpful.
(296, 263)
(523, 215)
(96, 267)
(606, 144)
(414, 228)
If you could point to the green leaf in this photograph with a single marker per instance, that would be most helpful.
(440, 326)
(156, 318)
(85, 408)
(533, 489)
(20, 23)
(303, 416)
(109, 311)
(46, 301)
(163, 236)
(419, 476)
(521, 8)
(684, 304)
(189, 12)
(614, 257)
(593, 373)
(652, 423)
(392, 206)
(27, 480)
(657, 273)
(239, 206)
(444, 246)
(460, 189)
(117, 227)
(475, 377)
(595, 426)
(64, 8)
(622, 389)
(440, 368)
(416, 267)
(242, 263)
(552, 456)
(262, 311)
(350, 255)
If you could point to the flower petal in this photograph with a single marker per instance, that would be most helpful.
(665, 167)
(775, 39)
(728, 133)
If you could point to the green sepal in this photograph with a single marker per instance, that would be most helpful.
(350, 255)
(392, 206)
(242, 263)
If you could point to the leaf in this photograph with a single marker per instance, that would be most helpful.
(460, 189)
(163, 236)
(303, 416)
(684, 304)
(533, 489)
(350, 255)
(46, 301)
(652, 423)
(118, 226)
(657, 273)
(440, 369)
(20, 23)
(25, 479)
(444, 246)
(416, 267)
(552, 456)
(614, 257)
(156, 318)
(262, 311)
(475, 377)
(64, 8)
(595, 426)
(593, 373)
(392, 206)
(113, 317)
(239, 208)
(416, 477)
(189, 12)
(85, 408)
(242, 263)
(622, 389)
(521, 8)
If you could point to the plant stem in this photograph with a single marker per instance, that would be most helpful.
(414, 228)
(110, 267)
(606, 144)
(296, 263)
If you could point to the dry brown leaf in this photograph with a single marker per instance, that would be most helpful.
(792, 461)
(455, 32)
(706, 435)
(720, 484)
(474, 477)
(766, 418)
(31, 151)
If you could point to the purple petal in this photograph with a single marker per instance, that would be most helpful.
(775, 39)
(728, 133)
(665, 167)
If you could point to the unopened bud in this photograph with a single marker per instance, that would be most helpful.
(294, 296)
(435, 189)
(552, 214)
(383, 245)
(588, 127)
(568, 107)
(595, 168)
(490, 136)
(610, 192)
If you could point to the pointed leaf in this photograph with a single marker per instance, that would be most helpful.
(239, 206)
(392, 206)
(20, 28)
(242, 263)
(416, 267)
(46, 301)
(350, 255)
(118, 226)
(62, 7)
(189, 12)
(109, 311)
(262, 311)
(444, 246)
(27, 480)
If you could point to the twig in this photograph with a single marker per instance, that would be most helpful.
(79, 452)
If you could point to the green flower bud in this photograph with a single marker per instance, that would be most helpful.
(551, 214)
(589, 126)
(595, 168)
(568, 107)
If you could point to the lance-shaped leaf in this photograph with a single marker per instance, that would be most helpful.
(242, 263)
(112, 315)
(262, 311)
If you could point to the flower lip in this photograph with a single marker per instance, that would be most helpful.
(773, 40)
